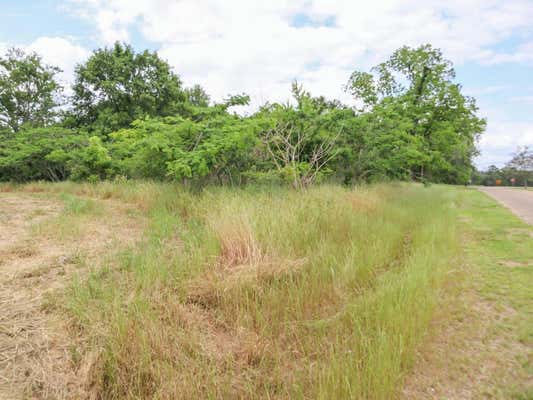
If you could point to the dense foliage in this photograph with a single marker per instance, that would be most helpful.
(29, 92)
(116, 86)
(130, 116)
(426, 127)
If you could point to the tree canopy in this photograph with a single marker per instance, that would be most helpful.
(117, 86)
(413, 97)
(130, 116)
(29, 92)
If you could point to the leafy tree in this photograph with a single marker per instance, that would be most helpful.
(301, 141)
(197, 96)
(235, 100)
(29, 92)
(47, 153)
(92, 162)
(418, 85)
(116, 86)
(217, 149)
(387, 150)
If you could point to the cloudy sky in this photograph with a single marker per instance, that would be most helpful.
(259, 47)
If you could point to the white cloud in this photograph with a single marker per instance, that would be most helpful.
(60, 52)
(57, 51)
(522, 54)
(501, 140)
(480, 91)
(251, 46)
(246, 45)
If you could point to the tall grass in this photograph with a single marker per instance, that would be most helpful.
(256, 293)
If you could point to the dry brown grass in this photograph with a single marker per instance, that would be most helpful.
(365, 202)
(237, 294)
(237, 243)
(20, 250)
(240, 264)
(36, 342)
(208, 289)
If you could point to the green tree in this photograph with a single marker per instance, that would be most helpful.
(29, 92)
(47, 153)
(418, 85)
(386, 149)
(197, 96)
(301, 141)
(217, 149)
(117, 86)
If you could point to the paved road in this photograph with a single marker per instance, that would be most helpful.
(519, 201)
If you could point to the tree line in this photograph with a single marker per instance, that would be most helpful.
(518, 171)
(128, 114)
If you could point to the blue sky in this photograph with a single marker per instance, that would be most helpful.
(257, 47)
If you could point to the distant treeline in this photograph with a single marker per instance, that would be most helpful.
(517, 172)
(128, 115)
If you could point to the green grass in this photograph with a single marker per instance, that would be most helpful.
(319, 294)
(256, 293)
(500, 253)
(77, 212)
(78, 206)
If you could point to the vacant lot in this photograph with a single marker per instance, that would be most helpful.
(141, 290)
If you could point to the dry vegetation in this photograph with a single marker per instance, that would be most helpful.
(44, 240)
(248, 293)
(256, 293)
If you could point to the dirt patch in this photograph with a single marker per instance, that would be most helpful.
(515, 264)
(36, 351)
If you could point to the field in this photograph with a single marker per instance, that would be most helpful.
(143, 290)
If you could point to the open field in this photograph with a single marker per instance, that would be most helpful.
(143, 290)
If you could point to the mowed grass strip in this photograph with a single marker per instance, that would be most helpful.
(265, 293)
(480, 343)
(501, 255)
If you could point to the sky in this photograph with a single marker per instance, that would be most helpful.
(260, 47)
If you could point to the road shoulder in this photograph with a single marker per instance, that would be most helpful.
(480, 344)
